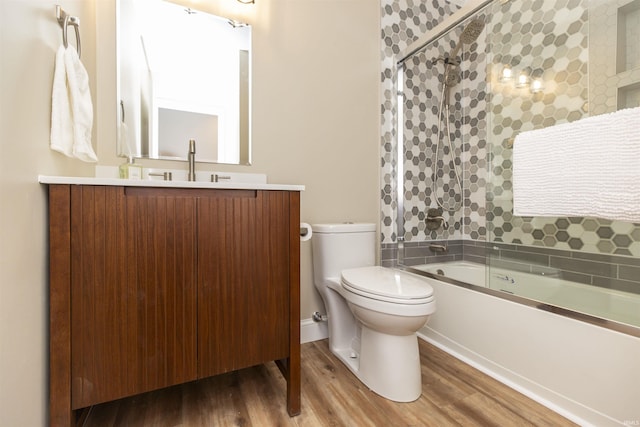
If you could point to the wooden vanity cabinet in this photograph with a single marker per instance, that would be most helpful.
(152, 287)
(245, 242)
(133, 292)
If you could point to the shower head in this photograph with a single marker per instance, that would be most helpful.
(469, 34)
(472, 31)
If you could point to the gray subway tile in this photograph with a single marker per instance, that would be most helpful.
(543, 270)
(442, 258)
(543, 250)
(528, 257)
(477, 251)
(609, 259)
(503, 246)
(625, 260)
(472, 258)
(416, 252)
(627, 272)
(509, 265)
(415, 261)
(583, 266)
(389, 253)
(617, 284)
(576, 277)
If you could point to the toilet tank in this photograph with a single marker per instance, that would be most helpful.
(340, 246)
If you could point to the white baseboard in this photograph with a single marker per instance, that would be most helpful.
(569, 409)
(312, 331)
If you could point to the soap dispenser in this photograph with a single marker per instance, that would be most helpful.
(130, 170)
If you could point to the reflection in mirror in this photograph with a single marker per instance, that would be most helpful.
(182, 74)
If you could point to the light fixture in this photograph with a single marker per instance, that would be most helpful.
(523, 80)
(247, 1)
(506, 75)
(536, 85)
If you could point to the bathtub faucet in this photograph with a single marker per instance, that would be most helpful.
(438, 248)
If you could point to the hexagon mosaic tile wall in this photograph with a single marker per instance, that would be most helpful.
(426, 146)
(548, 40)
(553, 44)
(402, 23)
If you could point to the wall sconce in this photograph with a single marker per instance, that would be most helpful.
(506, 75)
(523, 80)
(536, 85)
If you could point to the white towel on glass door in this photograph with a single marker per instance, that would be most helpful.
(587, 168)
(71, 107)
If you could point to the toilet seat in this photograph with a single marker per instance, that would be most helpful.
(385, 284)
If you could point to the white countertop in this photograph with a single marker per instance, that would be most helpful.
(44, 179)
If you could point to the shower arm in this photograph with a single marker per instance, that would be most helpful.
(452, 60)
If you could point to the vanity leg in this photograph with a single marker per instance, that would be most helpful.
(293, 363)
(292, 376)
(293, 387)
(60, 413)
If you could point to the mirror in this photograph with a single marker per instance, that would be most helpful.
(182, 74)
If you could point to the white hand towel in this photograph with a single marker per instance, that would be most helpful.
(587, 168)
(72, 108)
(61, 123)
(81, 106)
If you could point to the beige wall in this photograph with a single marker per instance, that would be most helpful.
(316, 71)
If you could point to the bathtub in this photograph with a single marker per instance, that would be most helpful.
(622, 307)
(587, 373)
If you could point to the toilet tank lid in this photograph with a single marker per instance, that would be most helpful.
(345, 227)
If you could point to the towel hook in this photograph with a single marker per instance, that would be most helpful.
(65, 20)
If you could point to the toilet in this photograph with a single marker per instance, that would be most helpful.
(373, 312)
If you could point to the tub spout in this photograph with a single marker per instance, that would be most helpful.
(439, 248)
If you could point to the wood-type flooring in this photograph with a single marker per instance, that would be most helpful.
(453, 394)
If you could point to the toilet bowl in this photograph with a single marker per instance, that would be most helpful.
(373, 312)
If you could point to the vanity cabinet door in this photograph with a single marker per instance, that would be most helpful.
(133, 291)
(243, 279)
